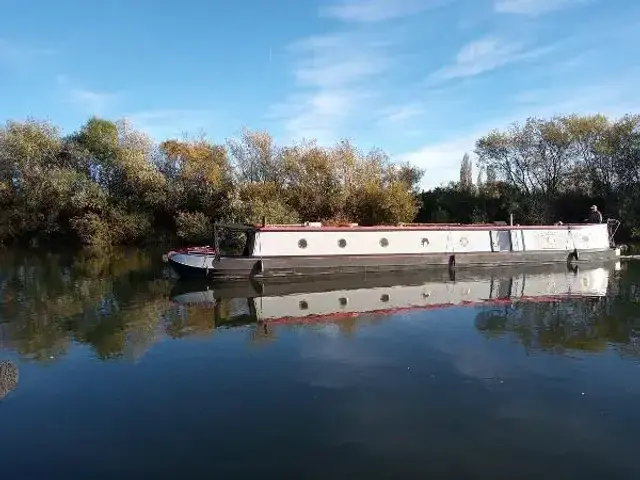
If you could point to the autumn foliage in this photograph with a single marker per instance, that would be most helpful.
(549, 170)
(109, 184)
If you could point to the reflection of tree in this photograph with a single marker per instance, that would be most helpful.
(8, 378)
(193, 319)
(555, 326)
(118, 303)
(574, 324)
(112, 302)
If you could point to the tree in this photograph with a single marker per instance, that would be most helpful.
(256, 158)
(536, 157)
(491, 174)
(466, 172)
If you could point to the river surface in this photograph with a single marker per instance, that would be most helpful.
(109, 368)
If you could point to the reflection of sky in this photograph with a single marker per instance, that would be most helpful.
(477, 394)
(414, 395)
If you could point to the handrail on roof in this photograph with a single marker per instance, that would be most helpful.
(241, 227)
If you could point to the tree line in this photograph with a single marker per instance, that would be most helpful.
(109, 184)
(548, 170)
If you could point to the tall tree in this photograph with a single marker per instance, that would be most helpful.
(466, 172)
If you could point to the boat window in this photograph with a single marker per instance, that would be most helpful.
(425, 241)
(303, 305)
(302, 243)
(342, 243)
(384, 242)
(384, 298)
(343, 301)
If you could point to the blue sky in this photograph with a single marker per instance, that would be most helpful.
(421, 79)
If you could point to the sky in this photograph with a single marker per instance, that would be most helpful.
(420, 79)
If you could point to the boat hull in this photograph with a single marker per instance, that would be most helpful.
(193, 288)
(188, 265)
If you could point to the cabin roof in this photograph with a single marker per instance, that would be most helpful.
(302, 227)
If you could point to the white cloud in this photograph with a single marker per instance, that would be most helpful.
(173, 123)
(336, 60)
(14, 54)
(316, 115)
(91, 102)
(441, 158)
(402, 114)
(534, 7)
(335, 75)
(369, 11)
(487, 54)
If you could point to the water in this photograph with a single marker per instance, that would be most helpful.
(111, 369)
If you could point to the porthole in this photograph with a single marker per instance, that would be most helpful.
(303, 305)
(302, 243)
(343, 301)
(384, 242)
(464, 241)
(425, 241)
(384, 298)
(342, 243)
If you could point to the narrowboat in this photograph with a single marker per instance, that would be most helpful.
(316, 249)
(383, 294)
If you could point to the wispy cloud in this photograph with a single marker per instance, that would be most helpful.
(161, 124)
(370, 11)
(401, 114)
(91, 102)
(487, 54)
(535, 7)
(20, 55)
(335, 75)
(340, 76)
(441, 158)
(338, 59)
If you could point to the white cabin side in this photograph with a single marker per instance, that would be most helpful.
(589, 237)
(346, 241)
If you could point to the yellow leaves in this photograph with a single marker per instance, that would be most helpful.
(373, 204)
(6, 192)
(30, 144)
(198, 160)
(108, 183)
(258, 200)
(100, 138)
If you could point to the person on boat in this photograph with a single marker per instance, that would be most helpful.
(594, 215)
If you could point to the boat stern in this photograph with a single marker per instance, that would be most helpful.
(193, 261)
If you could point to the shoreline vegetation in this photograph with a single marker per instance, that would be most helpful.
(107, 184)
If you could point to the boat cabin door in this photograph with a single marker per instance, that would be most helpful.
(500, 240)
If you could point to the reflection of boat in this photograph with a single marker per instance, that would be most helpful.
(385, 295)
(272, 251)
